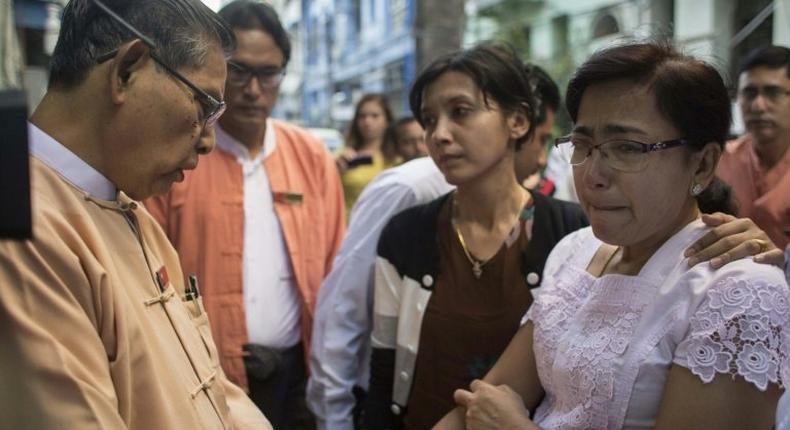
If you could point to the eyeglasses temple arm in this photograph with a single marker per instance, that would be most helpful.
(151, 46)
(123, 22)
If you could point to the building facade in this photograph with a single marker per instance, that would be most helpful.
(354, 47)
(560, 34)
(289, 104)
(554, 30)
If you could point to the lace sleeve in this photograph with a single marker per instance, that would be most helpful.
(741, 328)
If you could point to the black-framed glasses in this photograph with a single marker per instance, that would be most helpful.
(772, 93)
(211, 108)
(619, 154)
(239, 75)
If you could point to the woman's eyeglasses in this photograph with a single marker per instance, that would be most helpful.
(619, 154)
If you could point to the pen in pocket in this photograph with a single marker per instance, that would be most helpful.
(193, 292)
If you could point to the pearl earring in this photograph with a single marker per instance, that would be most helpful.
(697, 189)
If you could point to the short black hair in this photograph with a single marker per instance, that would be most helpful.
(393, 129)
(771, 56)
(495, 69)
(183, 31)
(404, 120)
(546, 90)
(255, 15)
(689, 93)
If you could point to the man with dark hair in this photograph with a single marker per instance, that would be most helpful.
(532, 158)
(99, 328)
(259, 222)
(408, 138)
(757, 165)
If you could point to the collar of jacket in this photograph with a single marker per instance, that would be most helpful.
(410, 241)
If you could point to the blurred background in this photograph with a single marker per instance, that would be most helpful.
(346, 48)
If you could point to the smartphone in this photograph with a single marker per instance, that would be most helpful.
(361, 160)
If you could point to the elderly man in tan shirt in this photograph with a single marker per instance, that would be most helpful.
(97, 327)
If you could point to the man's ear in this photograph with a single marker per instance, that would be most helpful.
(125, 66)
(518, 123)
(706, 162)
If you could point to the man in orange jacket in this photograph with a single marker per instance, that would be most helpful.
(757, 165)
(259, 223)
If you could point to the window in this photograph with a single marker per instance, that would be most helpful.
(399, 10)
(356, 12)
(559, 33)
(313, 39)
(394, 86)
(605, 25)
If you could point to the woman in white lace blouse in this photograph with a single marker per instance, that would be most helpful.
(623, 333)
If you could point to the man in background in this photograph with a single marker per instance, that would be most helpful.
(409, 139)
(259, 224)
(757, 165)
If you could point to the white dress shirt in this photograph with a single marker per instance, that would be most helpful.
(340, 351)
(561, 173)
(271, 300)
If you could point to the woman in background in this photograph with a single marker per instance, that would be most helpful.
(365, 154)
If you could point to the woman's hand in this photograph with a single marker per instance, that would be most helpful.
(346, 154)
(493, 407)
(733, 239)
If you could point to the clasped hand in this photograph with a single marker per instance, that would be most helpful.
(490, 407)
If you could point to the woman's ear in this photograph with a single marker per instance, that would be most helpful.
(705, 162)
(518, 122)
(125, 66)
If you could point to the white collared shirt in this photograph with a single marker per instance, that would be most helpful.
(271, 300)
(340, 349)
(68, 165)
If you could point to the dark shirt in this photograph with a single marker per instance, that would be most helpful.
(468, 322)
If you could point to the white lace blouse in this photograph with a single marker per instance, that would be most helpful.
(604, 345)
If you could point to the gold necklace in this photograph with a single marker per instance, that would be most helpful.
(477, 265)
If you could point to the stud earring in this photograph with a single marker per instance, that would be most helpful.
(697, 189)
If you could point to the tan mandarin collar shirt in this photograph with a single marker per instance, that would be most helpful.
(90, 339)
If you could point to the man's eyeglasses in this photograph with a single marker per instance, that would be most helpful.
(211, 108)
(619, 154)
(772, 93)
(239, 75)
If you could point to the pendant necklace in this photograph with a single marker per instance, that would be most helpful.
(477, 265)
